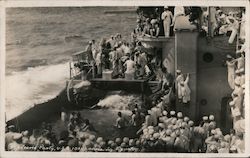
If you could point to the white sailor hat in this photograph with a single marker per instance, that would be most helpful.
(161, 125)
(149, 111)
(190, 123)
(179, 114)
(233, 148)
(186, 119)
(11, 126)
(25, 133)
(172, 113)
(231, 103)
(178, 71)
(17, 136)
(165, 7)
(237, 71)
(153, 21)
(156, 135)
(165, 113)
(150, 127)
(229, 56)
(145, 130)
(205, 118)
(243, 86)
(211, 117)
(241, 70)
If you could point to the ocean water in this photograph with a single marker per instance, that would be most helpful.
(39, 45)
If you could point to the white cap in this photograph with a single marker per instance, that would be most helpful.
(190, 123)
(25, 133)
(165, 7)
(178, 71)
(153, 21)
(233, 148)
(186, 119)
(165, 113)
(241, 70)
(172, 113)
(211, 117)
(243, 86)
(231, 103)
(205, 118)
(179, 114)
(161, 125)
(17, 136)
(229, 56)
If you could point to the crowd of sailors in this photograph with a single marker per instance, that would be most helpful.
(159, 128)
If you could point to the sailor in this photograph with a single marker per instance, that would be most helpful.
(153, 113)
(233, 26)
(178, 80)
(120, 121)
(166, 16)
(130, 66)
(223, 148)
(178, 11)
(98, 62)
(185, 90)
(154, 30)
(90, 57)
(25, 137)
(197, 139)
(9, 135)
(147, 26)
(16, 144)
(240, 62)
(231, 71)
(212, 123)
(205, 125)
(180, 119)
(164, 116)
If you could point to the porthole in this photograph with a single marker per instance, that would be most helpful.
(203, 102)
(208, 57)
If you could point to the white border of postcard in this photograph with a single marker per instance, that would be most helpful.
(82, 3)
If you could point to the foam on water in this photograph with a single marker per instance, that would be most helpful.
(33, 86)
(119, 102)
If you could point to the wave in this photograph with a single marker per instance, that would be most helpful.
(119, 101)
(36, 85)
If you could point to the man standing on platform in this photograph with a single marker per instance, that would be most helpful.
(166, 16)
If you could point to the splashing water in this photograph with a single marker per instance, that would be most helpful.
(120, 102)
(33, 86)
